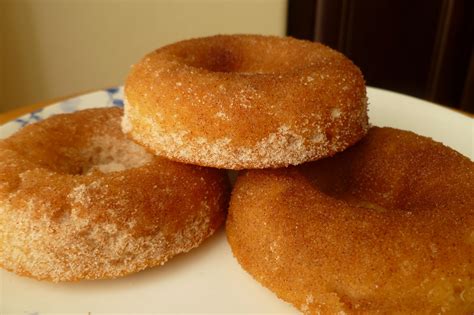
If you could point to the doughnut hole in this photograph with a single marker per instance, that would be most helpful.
(245, 55)
(108, 154)
(75, 150)
(380, 174)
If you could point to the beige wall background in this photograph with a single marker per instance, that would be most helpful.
(52, 48)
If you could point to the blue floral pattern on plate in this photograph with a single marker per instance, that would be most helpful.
(115, 96)
(32, 117)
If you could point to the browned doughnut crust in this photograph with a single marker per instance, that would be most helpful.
(78, 200)
(245, 101)
(384, 227)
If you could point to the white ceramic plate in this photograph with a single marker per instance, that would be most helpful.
(208, 279)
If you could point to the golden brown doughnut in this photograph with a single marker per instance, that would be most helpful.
(386, 226)
(245, 101)
(78, 200)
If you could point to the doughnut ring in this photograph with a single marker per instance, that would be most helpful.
(78, 200)
(386, 226)
(245, 101)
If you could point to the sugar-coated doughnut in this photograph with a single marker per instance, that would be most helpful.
(386, 227)
(245, 101)
(78, 200)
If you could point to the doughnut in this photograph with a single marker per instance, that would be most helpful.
(245, 101)
(386, 226)
(79, 200)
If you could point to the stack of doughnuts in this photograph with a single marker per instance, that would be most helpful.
(333, 216)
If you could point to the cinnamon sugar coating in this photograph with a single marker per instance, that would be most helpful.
(78, 200)
(386, 226)
(245, 101)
